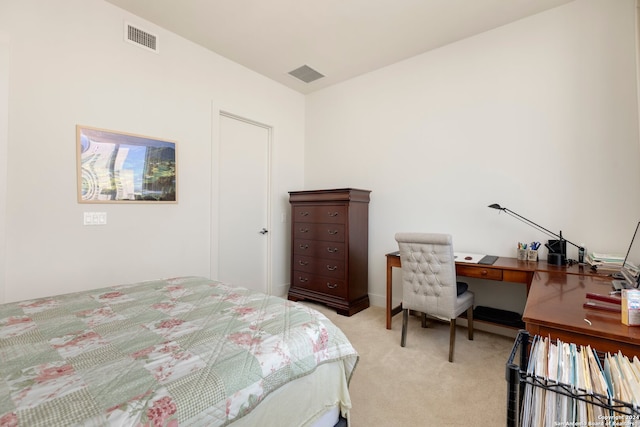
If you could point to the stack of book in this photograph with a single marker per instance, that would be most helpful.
(609, 262)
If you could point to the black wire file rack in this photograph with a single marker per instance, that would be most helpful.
(621, 414)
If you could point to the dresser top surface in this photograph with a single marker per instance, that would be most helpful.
(339, 194)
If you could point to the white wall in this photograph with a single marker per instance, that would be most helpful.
(540, 116)
(4, 118)
(68, 65)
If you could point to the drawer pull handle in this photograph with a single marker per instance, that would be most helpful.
(332, 250)
(334, 268)
(332, 285)
(332, 232)
(484, 272)
(304, 213)
(303, 279)
(304, 246)
(333, 214)
(303, 262)
(304, 230)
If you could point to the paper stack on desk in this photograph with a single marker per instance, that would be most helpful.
(467, 257)
(602, 261)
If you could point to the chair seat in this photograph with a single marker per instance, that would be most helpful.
(463, 302)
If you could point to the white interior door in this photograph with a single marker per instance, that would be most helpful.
(243, 251)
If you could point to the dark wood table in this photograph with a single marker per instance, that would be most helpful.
(555, 307)
(504, 269)
(555, 299)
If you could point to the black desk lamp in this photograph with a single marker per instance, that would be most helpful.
(556, 256)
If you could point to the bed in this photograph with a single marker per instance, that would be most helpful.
(182, 351)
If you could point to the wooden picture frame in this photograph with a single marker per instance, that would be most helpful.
(118, 167)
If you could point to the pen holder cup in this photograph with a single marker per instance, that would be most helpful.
(522, 254)
(532, 255)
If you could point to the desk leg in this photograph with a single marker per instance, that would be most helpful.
(392, 261)
(389, 292)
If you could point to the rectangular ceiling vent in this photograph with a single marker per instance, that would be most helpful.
(140, 38)
(306, 74)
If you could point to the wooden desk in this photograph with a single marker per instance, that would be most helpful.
(555, 298)
(554, 307)
(504, 269)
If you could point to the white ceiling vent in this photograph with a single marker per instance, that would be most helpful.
(306, 74)
(140, 38)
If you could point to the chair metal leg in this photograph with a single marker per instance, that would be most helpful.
(405, 319)
(470, 322)
(452, 338)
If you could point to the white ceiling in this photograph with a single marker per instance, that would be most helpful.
(339, 38)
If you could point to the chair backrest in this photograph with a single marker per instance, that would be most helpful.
(428, 273)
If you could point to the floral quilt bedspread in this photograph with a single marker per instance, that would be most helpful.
(183, 351)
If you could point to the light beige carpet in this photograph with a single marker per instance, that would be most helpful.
(416, 385)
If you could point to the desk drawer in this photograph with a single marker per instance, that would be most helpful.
(479, 272)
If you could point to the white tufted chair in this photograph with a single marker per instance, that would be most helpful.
(429, 283)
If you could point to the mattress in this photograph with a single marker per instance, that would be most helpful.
(181, 351)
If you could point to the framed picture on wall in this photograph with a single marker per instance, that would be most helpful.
(117, 167)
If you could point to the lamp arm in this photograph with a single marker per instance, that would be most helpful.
(559, 237)
(577, 246)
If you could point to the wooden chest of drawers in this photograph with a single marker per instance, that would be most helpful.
(330, 248)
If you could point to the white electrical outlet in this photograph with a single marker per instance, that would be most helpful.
(95, 218)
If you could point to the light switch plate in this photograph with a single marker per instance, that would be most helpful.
(95, 218)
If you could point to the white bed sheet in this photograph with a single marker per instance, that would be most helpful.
(306, 402)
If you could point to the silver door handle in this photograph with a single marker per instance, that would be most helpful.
(263, 231)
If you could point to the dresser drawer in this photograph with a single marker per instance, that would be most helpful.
(311, 231)
(480, 273)
(320, 266)
(325, 285)
(320, 249)
(320, 213)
